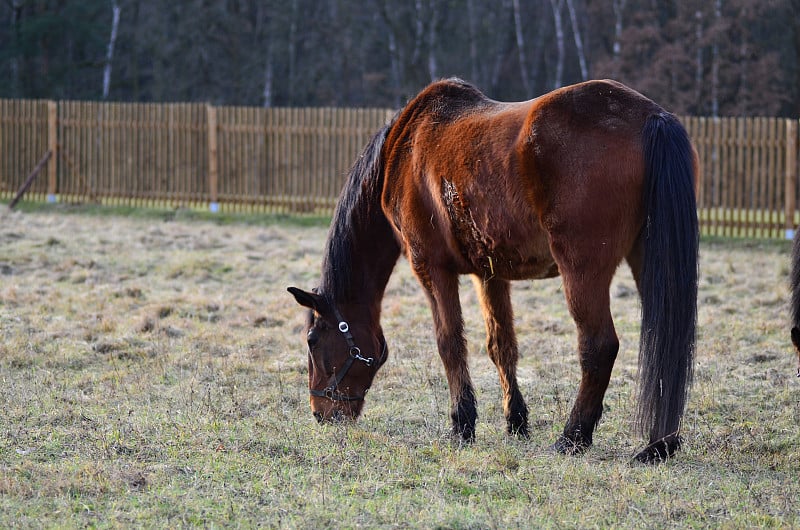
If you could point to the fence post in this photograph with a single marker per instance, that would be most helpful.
(213, 167)
(52, 145)
(791, 176)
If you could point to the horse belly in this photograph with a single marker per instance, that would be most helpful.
(509, 250)
(496, 237)
(518, 260)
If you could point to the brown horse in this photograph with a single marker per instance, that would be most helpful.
(795, 304)
(570, 183)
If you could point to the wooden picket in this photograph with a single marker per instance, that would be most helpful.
(295, 160)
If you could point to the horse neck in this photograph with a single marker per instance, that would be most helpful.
(361, 254)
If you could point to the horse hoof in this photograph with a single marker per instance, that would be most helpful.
(659, 451)
(567, 446)
(520, 431)
(463, 435)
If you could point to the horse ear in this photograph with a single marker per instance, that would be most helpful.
(306, 299)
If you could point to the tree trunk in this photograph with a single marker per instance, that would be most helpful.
(619, 7)
(559, 28)
(699, 66)
(743, 97)
(432, 66)
(576, 32)
(419, 33)
(502, 43)
(268, 76)
(473, 43)
(715, 61)
(16, 8)
(795, 12)
(523, 63)
(110, 50)
(394, 55)
(292, 49)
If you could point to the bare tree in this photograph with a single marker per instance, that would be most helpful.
(559, 29)
(473, 42)
(715, 59)
(110, 50)
(292, 44)
(794, 12)
(503, 42)
(618, 6)
(576, 32)
(394, 53)
(699, 66)
(523, 63)
(419, 30)
(432, 66)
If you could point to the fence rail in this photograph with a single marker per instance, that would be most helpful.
(295, 160)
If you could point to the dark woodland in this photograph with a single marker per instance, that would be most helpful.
(709, 58)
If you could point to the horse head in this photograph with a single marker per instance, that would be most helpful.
(343, 356)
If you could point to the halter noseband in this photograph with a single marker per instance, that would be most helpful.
(331, 391)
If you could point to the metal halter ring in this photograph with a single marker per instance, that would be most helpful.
(355, 353)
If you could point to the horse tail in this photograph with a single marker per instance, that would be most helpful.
(668, 279)
(795, 288)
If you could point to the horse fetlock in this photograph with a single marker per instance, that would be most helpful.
(659, 451)
(464, 416)
(572, 443)
(517, 421)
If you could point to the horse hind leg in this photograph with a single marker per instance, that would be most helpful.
(501, 344)
(442, 290)
(588, 301)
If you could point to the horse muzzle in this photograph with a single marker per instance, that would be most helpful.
(329, 411)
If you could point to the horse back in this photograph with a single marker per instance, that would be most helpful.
(482, 187)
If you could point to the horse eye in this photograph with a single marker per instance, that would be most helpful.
(312, 338)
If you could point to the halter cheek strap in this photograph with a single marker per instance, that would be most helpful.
(331, 391)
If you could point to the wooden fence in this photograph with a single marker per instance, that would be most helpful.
(295, 160)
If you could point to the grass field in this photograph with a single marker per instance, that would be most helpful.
(154, 375)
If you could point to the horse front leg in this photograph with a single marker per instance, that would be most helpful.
(442, 289)
(501, 344)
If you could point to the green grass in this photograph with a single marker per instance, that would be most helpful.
(172, 214)
(153, 375)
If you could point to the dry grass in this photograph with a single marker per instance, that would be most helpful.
(153, 374)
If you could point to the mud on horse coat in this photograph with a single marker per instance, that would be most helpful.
(570, 183)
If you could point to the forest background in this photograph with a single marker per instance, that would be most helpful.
(708, 58)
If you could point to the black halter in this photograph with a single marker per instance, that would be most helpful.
(331, 391)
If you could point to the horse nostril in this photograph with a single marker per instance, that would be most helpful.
(318, 416)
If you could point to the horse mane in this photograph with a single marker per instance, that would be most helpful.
(359, 206)
(358, 210)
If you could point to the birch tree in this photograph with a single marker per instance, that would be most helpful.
(432, 65)
(618, 7)
(560, 46)
(110, 50)
(576, 32)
